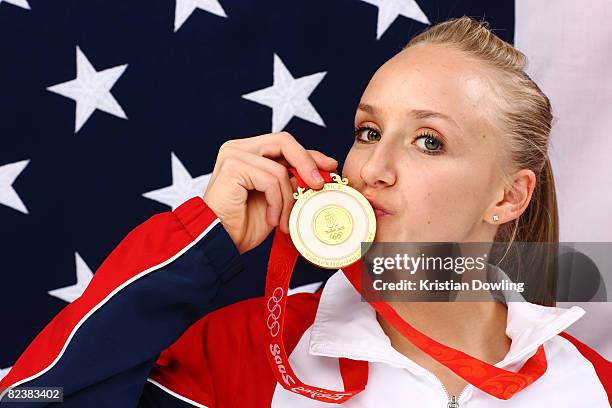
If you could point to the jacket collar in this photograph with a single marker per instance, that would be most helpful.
(346, 326)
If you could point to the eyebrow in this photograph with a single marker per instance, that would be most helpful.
(415, 113)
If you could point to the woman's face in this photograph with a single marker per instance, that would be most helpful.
(437, 174)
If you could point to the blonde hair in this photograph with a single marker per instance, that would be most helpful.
(526, 119)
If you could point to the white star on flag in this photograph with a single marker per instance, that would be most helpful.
(4, 372)
(388, 10)
(184, 9)
(8, 195)
(91, 90)
(288, 96)
(21, 3)
(83, 274)
(183, 186)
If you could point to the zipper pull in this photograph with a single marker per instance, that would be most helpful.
(452, 402)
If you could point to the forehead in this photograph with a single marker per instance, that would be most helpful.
(437, 78)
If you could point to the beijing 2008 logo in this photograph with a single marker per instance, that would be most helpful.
(274, 309)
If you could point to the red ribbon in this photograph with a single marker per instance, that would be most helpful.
(493, 380)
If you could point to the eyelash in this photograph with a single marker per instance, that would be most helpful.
(421, 135)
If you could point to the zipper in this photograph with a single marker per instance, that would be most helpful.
(453, 401)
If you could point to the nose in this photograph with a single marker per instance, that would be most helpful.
(378, 170)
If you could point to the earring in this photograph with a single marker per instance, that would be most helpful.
(495, 217)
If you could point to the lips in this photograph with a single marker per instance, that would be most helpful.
(380, 213)
(379, 209)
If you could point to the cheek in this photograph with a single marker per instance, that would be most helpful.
(440, 204)
(426, 196)
(352, 165)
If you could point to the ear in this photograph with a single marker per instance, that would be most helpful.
(513, 202)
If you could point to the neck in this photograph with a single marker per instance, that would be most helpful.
(476, 328)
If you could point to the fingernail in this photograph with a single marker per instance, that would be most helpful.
(317, 176)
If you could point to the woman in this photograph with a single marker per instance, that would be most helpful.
(450, 144)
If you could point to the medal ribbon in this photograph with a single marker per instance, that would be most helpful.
(493, 380)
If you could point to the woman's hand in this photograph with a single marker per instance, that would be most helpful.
(250, 189)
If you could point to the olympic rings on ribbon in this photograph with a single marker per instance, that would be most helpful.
(272, 320)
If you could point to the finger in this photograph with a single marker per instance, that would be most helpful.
(323, 161)
(277, 170)
(283, 144)
(255, 143)
(288, 202)
(287, 147)
(294, 183)
(256, 178)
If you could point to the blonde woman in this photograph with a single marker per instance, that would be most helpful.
(450, 144)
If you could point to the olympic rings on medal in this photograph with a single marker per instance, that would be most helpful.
(272, 320)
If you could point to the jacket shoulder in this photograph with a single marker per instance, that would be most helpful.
(603, 367)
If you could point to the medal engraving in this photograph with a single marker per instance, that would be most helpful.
(333, 225)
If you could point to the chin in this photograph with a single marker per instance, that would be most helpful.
(382, 235)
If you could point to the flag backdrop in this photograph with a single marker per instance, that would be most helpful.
(571, 60)
(112, 111)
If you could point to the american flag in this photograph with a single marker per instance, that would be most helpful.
(112, 111)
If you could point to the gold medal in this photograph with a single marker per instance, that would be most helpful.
(327, 226)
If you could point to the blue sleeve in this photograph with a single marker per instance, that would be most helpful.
(160, 279)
